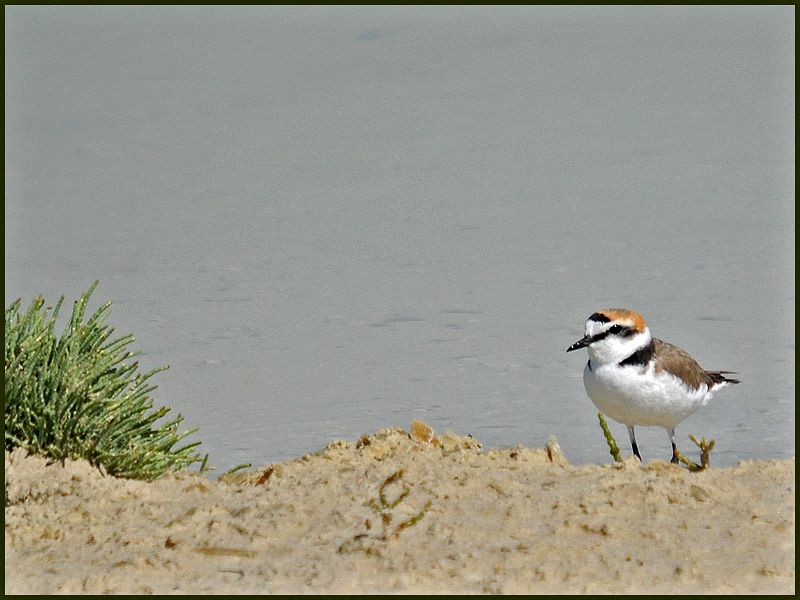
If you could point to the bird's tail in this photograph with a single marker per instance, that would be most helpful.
(718, 377)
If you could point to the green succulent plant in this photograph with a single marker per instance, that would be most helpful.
(80, 396)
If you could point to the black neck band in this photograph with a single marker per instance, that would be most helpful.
(641, 357)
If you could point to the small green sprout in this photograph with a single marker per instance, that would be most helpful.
(383, 507)
(612, 443)
(705, 460)
(238, 467)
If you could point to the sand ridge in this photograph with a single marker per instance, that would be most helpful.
(403, 513)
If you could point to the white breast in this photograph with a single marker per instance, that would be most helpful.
(635, 395)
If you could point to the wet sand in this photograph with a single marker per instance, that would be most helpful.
(400, 512)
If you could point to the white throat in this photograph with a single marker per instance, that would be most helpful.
(613, 349)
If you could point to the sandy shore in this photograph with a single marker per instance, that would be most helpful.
(391, 513)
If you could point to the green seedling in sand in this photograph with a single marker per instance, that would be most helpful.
(238, 467)
(705, 448)
(78, 396)
(383, 508)
(705, 460)
(612, 443)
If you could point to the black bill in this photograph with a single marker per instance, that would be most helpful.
(581, 343)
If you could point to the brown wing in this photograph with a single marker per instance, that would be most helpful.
(673, 360)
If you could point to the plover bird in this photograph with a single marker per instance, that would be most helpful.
(637, 379)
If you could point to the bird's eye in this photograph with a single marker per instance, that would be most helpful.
(615, 329)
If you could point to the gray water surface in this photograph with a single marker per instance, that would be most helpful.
(332, 220)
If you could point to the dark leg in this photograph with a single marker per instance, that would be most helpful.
(634, 445)
(671, 433)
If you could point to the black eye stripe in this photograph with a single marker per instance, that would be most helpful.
(620, 330)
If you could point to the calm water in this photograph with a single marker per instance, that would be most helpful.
(328, 221)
